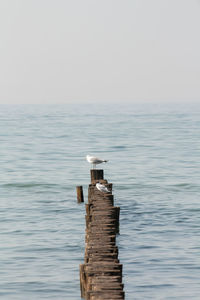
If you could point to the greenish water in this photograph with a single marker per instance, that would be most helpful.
(153, 153)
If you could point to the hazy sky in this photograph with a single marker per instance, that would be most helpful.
(106, 50)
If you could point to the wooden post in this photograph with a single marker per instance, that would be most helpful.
(101, 273)
(79, 190)
(96, 174)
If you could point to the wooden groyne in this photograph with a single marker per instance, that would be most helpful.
(101, 273)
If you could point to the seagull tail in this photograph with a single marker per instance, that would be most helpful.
(105, 160)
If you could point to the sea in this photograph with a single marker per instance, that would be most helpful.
(154, 164)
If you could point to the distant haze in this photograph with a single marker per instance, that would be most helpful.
(60, 51)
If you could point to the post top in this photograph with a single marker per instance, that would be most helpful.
(96, 174)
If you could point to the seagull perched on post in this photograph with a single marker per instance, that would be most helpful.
(95, 160)
(102, 188)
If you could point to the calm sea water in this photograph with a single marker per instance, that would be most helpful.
(154, 154)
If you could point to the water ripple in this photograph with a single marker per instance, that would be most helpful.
(153, 155)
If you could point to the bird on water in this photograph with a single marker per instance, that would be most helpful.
(102, 188)
(95, 160)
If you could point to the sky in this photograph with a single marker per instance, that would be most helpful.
(60, 51)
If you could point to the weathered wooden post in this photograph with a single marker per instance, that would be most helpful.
(79, 190)
(96, 175)
(101, 272)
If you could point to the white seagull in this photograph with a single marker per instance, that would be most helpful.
(102, 188)
(95, 160)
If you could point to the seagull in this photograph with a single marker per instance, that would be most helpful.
(95, 160)
(102, 188)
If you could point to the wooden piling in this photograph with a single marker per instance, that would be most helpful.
(101, 273)
(96, 175)
(79, 190)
